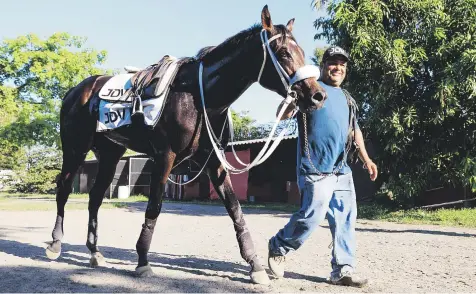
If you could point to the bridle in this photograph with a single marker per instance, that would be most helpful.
(302, 73)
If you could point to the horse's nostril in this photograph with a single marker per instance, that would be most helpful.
(319, 96)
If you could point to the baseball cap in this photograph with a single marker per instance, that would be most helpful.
(335, 50)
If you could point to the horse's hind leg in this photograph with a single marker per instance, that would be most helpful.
(108, 155)
(222, 184)
(72, 159)
(77, 129)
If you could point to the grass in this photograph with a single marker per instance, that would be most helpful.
(447, 217)
(282, 207)
(74, 196)
(16, 202)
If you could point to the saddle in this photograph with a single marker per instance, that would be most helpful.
(147, 83)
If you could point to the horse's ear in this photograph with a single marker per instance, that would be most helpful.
(266, 19)
(290, 24)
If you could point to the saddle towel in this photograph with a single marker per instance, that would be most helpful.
(149, 87)
(113, 115)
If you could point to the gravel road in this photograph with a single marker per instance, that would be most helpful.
(194, 250)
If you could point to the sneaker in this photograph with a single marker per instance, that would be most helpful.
(348, 279)
(276, 264)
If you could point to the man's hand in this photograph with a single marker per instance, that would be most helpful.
(372, 167)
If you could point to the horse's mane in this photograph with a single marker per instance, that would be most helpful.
(213, 53)
(204, 51)
(229, 44)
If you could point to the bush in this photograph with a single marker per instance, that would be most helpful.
(37, 171)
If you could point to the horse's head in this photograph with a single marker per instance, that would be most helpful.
(285, 71)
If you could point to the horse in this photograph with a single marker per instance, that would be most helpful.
(226, 70)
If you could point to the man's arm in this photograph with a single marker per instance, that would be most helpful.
(288, 112)
(368, 163)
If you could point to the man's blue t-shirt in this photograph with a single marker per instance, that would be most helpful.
(327, 130)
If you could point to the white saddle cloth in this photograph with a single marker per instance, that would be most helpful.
(113, 115)
(115, 106)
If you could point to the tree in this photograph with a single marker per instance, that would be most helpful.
(413, 71)
(34, 76)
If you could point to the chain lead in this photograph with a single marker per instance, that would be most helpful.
(308, 154)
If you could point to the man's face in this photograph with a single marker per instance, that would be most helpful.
(334, 70)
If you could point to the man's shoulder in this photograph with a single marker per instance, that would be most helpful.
(331, 89)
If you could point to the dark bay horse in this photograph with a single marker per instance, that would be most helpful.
(228, 70)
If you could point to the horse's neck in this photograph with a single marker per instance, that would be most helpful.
(226, 79)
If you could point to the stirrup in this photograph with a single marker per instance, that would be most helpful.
(137, 116)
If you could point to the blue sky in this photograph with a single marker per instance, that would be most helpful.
(140, 32)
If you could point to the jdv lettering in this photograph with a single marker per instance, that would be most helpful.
(112, 116)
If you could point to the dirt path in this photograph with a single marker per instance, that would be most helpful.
(194, 250)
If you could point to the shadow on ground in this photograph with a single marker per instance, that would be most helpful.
(56, 280)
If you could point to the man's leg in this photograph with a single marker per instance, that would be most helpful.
(316, 192)
(342, 217)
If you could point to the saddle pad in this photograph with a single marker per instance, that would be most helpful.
(113, 115)
(116, 87)
(116, 97)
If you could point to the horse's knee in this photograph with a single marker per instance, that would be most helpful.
(154, 206)
(64, 184)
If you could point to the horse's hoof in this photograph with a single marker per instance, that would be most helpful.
(260, 277)
(97, 259)
(144, 271)
(52, 255)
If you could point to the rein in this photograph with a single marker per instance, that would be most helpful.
(301, 74)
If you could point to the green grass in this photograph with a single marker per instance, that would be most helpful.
(75, 196)
(22, 205)
(16, 202)
(282, 207)
(446, 217)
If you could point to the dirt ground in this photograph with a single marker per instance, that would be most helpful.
(194, 250)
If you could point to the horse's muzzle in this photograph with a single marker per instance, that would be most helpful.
(316, 102)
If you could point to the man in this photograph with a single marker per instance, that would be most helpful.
(324, 178)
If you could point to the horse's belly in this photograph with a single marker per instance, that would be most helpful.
(134, 138)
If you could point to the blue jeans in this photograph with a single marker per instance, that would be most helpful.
(334, 196)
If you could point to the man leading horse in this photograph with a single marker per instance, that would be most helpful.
(325, 180)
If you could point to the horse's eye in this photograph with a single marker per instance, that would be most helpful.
(285, 54)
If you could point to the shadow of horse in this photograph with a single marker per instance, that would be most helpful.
(78, 255)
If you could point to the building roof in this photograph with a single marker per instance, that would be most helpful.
(246, 142)
(123, 156)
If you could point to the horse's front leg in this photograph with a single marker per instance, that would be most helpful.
(162, 167)
(222, 184)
